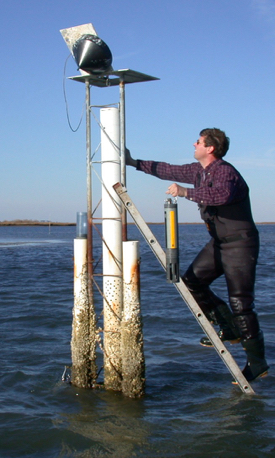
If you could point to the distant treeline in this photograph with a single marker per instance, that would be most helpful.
(30, 222)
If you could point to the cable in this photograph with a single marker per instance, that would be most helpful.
(66, 102)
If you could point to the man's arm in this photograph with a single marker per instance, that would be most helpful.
(174, 190)
(181, 173)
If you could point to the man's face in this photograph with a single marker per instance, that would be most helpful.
(201, 151)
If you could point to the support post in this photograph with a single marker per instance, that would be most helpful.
(80, 342)
(89, 192)
(122, 151)
(92, 316)
(112, 248)
(133, 362)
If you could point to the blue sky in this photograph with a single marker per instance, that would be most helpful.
(216, 64)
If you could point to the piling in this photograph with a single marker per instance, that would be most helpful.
(112, 248)
(83, 372)
(133, 362)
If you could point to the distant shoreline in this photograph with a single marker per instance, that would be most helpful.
(50, 223)
(33, 223)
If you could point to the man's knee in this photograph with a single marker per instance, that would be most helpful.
(191, 281)
(245, 316)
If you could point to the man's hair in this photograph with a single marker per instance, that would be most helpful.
(218, 139)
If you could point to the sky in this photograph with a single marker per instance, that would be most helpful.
(215, 61)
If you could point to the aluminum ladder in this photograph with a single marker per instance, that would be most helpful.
(184, 292)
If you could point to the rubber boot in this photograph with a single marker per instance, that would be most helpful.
(256, 365)
(228, 330)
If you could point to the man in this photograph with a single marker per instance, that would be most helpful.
(223, 199)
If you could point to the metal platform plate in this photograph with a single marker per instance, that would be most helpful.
(114, 78)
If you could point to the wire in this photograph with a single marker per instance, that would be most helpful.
(66, 102)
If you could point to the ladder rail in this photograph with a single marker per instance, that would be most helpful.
(193, 306)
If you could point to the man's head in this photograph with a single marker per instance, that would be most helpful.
(216, 138)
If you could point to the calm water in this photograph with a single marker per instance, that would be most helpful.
(190, 409)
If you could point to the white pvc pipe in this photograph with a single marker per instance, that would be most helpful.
(133, 362)
(80, 267)
(131, 279)
(81, 339)
(112, 246)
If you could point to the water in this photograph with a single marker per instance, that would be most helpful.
(190, 408)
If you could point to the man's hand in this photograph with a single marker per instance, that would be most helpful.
(128, 158)
(177, 191)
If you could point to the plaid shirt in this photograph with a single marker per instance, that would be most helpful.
(218, 184)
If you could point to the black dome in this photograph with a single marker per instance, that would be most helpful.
(92, 54)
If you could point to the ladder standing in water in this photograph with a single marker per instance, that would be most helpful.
(184, 292)
(223, 199)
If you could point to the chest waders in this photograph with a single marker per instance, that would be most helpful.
(232, 252)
